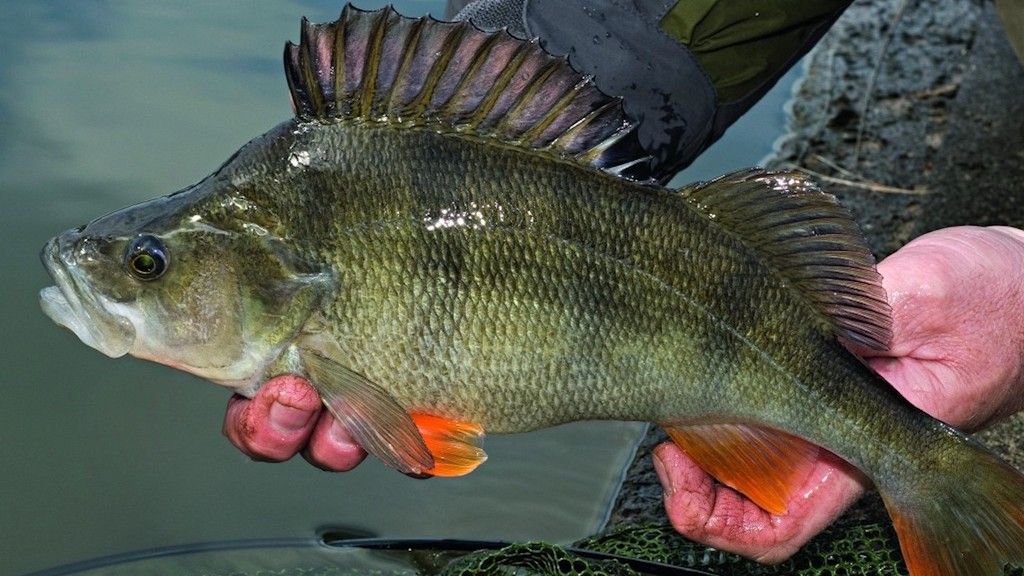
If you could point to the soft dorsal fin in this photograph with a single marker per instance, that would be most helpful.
(810, 239)
(453, 77)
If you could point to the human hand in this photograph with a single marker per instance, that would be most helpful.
(286, 417)
(957, 297)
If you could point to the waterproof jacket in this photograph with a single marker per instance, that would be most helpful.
(686, 70)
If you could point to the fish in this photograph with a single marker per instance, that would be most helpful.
(457, 233)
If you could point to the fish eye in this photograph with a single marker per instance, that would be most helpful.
(146, 258)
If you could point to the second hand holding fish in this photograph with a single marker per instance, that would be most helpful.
(944, 288)
(956, 296)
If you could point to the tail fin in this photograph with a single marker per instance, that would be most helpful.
(966, 520)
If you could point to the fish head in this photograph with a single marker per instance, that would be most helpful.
(204, 282)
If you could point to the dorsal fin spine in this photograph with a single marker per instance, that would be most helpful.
(538, 80)
(593, 153)
(370, 63)
(338, 63)
(479, 57)
(347, 76)
(411, 45)
(306, 65)
(294, 86)
(421, 102)
(619, 169)
(500, 83)
(380, 67)
(582, 125)
(532, 135)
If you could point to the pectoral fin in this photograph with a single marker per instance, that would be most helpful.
(452, 443)
(380, 425)
(767, 466)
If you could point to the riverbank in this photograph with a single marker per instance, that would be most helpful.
(910, 112)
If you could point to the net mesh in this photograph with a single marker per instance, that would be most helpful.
(863, 550)
(533, 558)
(862, 543)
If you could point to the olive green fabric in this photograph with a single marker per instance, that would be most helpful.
(741, 45)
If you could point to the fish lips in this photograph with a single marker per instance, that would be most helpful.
(71, 304)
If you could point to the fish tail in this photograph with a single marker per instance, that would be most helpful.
(962, 515)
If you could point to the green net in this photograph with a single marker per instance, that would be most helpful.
(534, 558)
(860, 551)
(860, 544)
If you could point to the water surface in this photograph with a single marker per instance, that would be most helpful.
(108, 103)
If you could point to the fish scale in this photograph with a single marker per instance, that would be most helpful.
(636, 240)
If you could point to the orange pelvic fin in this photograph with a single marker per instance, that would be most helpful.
(452, 443)
(764, 465)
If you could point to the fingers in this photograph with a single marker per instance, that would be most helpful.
(956, 294)
(331, 447)
(718, 516)
(276, 423)
(286, 417)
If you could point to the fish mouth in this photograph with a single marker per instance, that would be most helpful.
(71, 304)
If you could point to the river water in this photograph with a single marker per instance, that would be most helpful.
(107, 103)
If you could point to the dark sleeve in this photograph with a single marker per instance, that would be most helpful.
(686, 70)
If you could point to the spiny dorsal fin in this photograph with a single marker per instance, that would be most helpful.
(810, 239)
(453, 77)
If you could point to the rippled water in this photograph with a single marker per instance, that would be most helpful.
(107, 103)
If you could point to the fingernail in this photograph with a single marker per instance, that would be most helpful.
(340, 434)
(287, 418)
(663, 476)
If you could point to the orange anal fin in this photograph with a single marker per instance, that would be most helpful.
(765, 465)
(452, 443)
